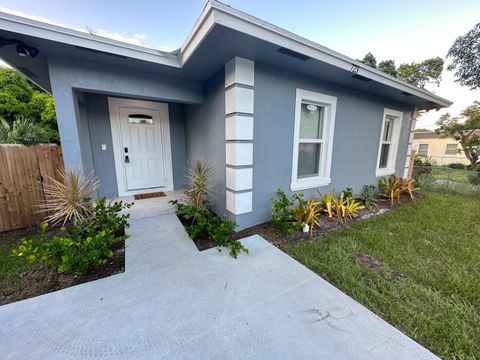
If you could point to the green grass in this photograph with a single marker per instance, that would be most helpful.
(454, 175)
(434, 243)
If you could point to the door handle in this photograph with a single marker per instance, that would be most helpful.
(127, 160)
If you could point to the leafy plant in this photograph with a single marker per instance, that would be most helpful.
(198, 176)
(345, 207)
(307, 212)
(69, 199)
(202, 222)
(369, 196)
(22, 131)
(394, 187)
(457, 166)
(326, 202)
(85, 245)
(283, 219)
(348, 191)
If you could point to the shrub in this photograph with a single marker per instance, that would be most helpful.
(85, 245)
(422, 165)
(307, 212)
(70, 198)
(326, 202)
(369, 196)
(283, 219)
(457, 166)
(202, 222)
(198, 176)
(394, 187)
(348, 193)
(474, 177)
(345, 207)
(22, 131)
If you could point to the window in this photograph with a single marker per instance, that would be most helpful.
(140, 119)
(390, 134)
(422, 150)
(451, 149)
(313, 139)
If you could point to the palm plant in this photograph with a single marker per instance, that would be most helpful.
(327, 202)
(307, 212)
(70, 198)
(22, 131)
(199, 175)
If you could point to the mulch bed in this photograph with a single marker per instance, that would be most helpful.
(328, 225)
(42, 279)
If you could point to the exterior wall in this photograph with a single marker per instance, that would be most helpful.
(205, 135)
(68, 74)
(436, 151)
(356, 140)
(98, 123)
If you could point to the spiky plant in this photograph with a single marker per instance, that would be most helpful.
(199, 176)
(69, 199)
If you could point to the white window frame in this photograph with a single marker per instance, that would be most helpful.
(392, 153)
(451, 153)
(329, 103)
(418, 151)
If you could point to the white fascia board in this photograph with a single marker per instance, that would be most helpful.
(67, 36)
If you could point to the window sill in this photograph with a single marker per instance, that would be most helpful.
(384, 172)
(309, 183)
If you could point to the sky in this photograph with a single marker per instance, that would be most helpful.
(405, 31)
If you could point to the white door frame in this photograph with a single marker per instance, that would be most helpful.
(114, 104)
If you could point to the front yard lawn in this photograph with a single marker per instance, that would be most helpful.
(418, 267)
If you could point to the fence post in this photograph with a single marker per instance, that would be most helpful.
(449, 175)
(410, 166)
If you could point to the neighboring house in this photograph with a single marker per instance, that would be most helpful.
(442, 151)
(266, 108)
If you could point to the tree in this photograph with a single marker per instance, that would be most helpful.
(370, 60)
(21, 98)
(421, 130)
(420, 74)
(465, 56)
(22, 131)
(465, 129)
(388, 67)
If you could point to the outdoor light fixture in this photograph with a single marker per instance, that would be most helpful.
(22, 48)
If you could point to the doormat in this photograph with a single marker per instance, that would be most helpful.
(149, 195)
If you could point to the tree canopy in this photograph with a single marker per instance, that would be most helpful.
(465, 58)
(465, 129)
(20, 98)
(418, 74)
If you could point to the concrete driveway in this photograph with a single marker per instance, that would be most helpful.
(174, 302)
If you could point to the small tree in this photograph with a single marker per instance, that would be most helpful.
(388, 67)
(370, 60)
(420, 74)
(465, 129)
(465, 56)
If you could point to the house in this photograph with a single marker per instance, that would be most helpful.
(442, 150)
(266, 108)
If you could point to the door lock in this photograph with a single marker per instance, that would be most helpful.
(127, 160)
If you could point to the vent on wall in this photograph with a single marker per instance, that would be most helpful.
(293, 54)
(361, 78)
(27, 72)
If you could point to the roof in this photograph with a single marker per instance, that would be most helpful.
(426, 135)
(269, 43)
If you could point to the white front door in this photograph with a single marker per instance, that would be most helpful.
(142, 148)
(141, 141)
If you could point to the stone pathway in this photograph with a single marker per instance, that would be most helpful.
(174, 302)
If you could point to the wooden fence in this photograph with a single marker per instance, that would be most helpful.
(24, 170)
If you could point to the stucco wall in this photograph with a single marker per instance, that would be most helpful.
(100, 133)
(205, 135)
(69, 74)
(356, 137)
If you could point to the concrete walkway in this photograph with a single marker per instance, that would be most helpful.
(174, 302)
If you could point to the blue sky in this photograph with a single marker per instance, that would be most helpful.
(404, 31)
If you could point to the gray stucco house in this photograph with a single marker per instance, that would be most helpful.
(266, 108)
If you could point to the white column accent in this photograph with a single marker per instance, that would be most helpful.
(239, 119)
(410, 141)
